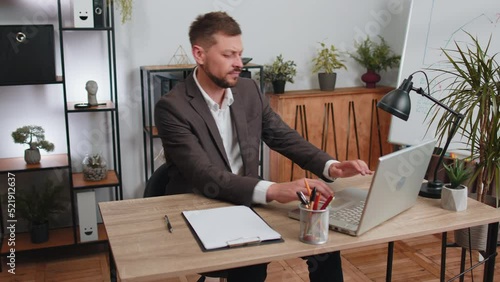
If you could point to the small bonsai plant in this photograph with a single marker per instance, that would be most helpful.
(458, 173)
(374, 56)
(36, 206)
(34, 137)
(327, 60)
(280, 72)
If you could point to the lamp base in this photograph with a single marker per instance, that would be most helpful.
(431, 190)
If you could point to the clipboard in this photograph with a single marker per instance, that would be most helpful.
(229, 227)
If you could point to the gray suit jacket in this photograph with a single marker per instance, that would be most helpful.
(193, 146)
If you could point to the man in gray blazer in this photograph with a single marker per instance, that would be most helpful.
(211, 126)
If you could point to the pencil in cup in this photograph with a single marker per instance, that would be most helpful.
(314, 225)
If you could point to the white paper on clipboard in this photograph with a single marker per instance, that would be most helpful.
(231, 226)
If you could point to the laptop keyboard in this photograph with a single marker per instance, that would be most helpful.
(350, 214)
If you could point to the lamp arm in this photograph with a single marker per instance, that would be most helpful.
(456, 122)
(422, 92)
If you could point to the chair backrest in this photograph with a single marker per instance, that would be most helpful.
(157, 183)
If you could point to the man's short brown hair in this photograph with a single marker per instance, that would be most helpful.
(205, 26)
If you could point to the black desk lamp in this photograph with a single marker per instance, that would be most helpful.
(397, 102)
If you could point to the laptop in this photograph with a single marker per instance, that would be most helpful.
(394, 189)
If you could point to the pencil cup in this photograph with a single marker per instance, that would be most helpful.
(314, 225)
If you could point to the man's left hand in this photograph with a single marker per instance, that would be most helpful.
(349, 168)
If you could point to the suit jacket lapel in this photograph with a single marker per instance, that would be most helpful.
(200, 105)
(239, 119)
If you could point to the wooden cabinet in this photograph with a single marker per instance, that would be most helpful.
(345, 123)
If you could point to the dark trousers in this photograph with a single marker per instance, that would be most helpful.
(322, 268)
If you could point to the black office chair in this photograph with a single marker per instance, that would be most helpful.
(157, 186)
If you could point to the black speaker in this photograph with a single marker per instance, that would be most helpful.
(27, 54)
(100, 14)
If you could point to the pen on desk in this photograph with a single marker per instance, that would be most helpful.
(325, 204)
(302, 199)
(169, 226)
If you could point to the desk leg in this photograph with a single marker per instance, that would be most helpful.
(444, 242)
(390, 255)
(491, 248)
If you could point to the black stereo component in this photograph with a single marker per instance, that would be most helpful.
(27, 54)
(100, 13)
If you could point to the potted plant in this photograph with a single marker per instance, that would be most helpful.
(327, 60)
(472, 77)
(454, 194)
(36, 206)
(375, 57)
(34, 136)
(280, 72)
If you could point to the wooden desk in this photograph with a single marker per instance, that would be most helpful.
(143, 249)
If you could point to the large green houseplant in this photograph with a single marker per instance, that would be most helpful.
(36, 206)
(472, 78)
(325, 63)
(280, 72)
(375, 57)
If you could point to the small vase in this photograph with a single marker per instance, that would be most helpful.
(94, 168)
(279, 86)
(370, 78)
(454, 199)
(32, 156)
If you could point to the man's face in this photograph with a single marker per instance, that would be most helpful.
(222, 61)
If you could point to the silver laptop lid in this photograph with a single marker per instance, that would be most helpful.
(396, 184)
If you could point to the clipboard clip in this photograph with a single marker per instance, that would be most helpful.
(244, 241)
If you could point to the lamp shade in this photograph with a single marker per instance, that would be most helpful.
(397, 102)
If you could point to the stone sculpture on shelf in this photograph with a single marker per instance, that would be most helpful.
(91, 87)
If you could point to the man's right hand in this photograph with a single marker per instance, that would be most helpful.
(287, 191)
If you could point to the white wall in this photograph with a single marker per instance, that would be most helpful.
(156, 30)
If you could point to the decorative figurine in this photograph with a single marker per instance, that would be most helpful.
(91, 87)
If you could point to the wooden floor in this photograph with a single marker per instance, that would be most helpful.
(414, 260)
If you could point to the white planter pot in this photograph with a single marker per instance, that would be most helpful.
(454, 199)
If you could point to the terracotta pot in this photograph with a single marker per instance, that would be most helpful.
(370, 78)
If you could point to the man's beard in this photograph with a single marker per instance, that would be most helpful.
(221, 82)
